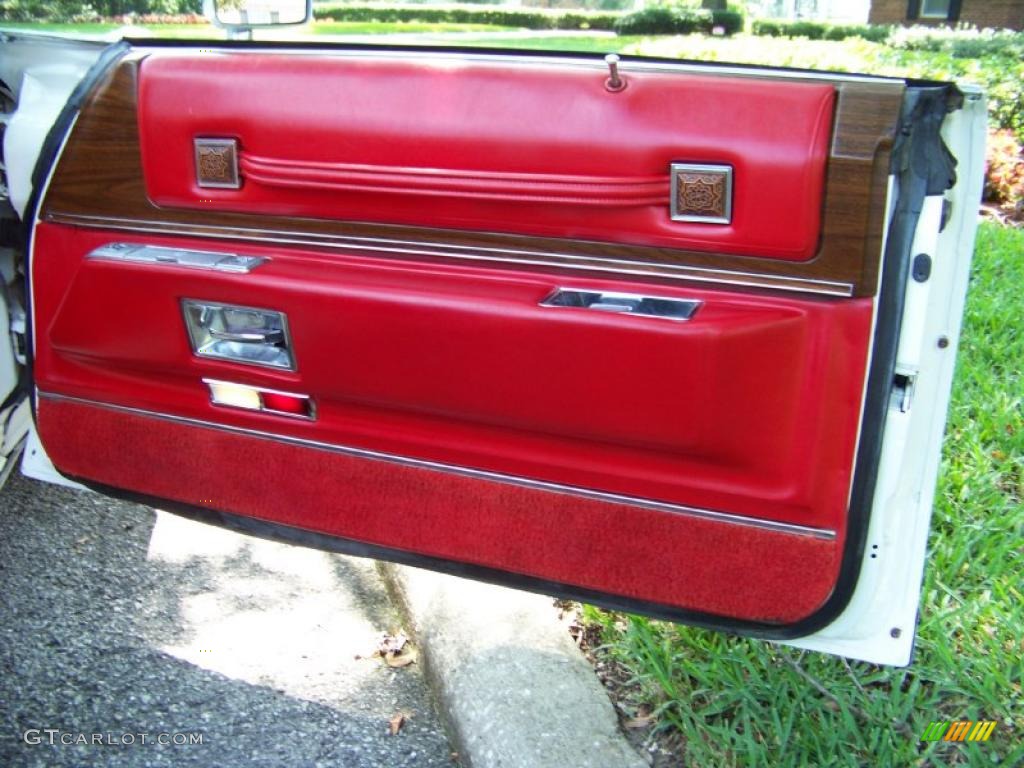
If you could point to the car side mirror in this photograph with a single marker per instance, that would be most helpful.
(240, 17)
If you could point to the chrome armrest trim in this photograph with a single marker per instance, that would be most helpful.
(137, 253)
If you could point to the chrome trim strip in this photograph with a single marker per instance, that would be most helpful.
(158, 255)
(477, 474)
(468, 252)
(638, 305)
(208, 380)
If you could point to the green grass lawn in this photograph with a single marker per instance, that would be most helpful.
(745, 702)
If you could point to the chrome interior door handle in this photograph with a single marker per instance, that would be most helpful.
(626, 303)
(239, 334)
(248, 337)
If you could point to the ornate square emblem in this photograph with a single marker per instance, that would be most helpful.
(701, 193)
(217, 163)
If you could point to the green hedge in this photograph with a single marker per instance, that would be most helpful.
(731, 20)
(512, 17)
(75, 11)
(817, 30)
(661, 20)
(679, 20)
(960, 43)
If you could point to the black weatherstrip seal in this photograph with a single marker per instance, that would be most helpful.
(108, 57)
(922, 165)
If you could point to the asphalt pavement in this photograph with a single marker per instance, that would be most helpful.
(128, 636)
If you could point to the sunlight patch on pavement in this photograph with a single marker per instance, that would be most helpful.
(176, 540)
(266, 613)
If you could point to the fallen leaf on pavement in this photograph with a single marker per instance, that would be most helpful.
(395, 723)
(397, 661)
(386, 644)
(391, 643)
(639, 722)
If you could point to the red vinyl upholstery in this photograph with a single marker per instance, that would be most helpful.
(540, 150)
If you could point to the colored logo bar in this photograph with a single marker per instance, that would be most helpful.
(959, 730)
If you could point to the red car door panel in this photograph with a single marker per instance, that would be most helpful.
(702, 465)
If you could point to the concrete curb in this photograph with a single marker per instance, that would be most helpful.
(517, 693)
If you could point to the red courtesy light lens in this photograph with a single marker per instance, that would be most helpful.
(274, 401)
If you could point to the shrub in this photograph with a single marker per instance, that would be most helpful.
(1004, 168)
(583, 20)
(678, 20)
(164, 18)
(536, 18)
(817, 30)
(731, 20)
(49, 10)
(590, 5)
(92, 10)
(1002, 77)
(653, 20)
(767, 28)
(691, 20)
(812, 30)
(775, 28)
(876, 34)
(961, 43)
(1004, 89)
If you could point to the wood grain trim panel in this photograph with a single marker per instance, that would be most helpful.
(99, 183)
